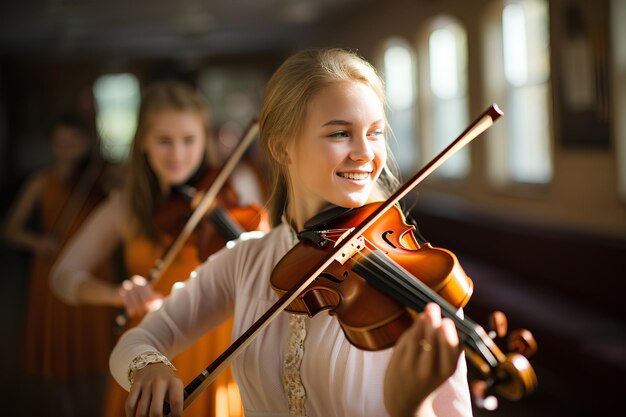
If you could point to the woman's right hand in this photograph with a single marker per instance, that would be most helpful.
(138, 295)
(424, 357)
(150, 387)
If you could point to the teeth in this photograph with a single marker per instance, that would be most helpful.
(354, 175)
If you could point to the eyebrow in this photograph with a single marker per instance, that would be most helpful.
(345, 123)
(337, 122)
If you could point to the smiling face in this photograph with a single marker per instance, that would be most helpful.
(340, 150)
(174, 144)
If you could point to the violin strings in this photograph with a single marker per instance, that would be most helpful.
(413, 287)
(383, 262)
(412, 292)
(425, 294)
(404, 290)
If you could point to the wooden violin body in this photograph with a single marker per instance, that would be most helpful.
(371, 285)
(371, 319)
(225, 221)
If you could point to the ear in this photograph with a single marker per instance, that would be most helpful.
(278, 151)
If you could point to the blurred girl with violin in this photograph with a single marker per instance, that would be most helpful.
(323, 128)
(59, 347)
(170, 153)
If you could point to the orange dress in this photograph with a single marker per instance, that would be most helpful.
(221, 398)
(60, 341)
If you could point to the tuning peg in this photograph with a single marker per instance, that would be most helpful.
(523, 342)
(497, 324)
(482, 400)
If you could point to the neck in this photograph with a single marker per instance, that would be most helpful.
(298, 212)
(296, 217)
(164, 187)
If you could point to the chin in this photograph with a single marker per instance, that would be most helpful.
(353, 202)
(179, 179)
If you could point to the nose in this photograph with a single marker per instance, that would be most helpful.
(361, 150)
(177, 151)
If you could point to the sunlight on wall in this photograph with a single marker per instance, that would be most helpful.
(399, 77)
(517, 76)
(526, 69)
(447, 55)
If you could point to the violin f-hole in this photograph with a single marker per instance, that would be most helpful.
(332, 278)
(384, 236)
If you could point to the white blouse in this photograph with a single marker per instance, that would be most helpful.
(295, 366)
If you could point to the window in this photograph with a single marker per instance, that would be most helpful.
(117, 99)
(518, 75)
(399, 76)
(447, 96)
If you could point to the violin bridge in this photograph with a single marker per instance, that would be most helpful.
(319, 237)
(357, 245)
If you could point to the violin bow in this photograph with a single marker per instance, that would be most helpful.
(202, 381)
(79, 197)
(199, 212)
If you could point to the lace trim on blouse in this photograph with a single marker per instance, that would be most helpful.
(292, 380)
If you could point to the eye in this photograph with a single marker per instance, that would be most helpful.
(164, 140)
(339, 134)
(377, 133)
(189, 140)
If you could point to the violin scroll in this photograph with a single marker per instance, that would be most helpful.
(498, 324)
(513, 377)
(522, 341)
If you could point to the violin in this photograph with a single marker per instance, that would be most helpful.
(226, 220)
(356, 273)
(371, 274)
(372, 286)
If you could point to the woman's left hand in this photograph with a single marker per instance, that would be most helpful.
(424, 357)
(138, 295)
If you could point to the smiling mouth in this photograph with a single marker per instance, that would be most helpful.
(357, 176)
(176, 167)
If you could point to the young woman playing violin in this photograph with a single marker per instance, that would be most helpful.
(169, 151)
(323, 128)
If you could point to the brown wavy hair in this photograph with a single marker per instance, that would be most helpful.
(142, 191)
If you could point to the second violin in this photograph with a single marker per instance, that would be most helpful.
(225, 220)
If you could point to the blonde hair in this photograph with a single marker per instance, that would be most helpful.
(142, 190)
(287, 94)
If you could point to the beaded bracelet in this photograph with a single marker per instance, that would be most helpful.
(145, 359)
